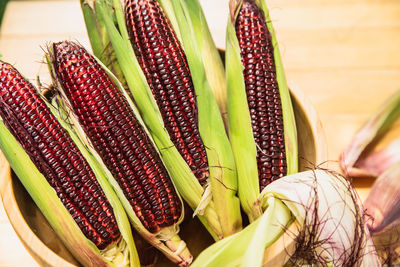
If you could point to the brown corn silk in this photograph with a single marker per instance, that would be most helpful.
(262, 92)
(53, 152)
(117, 136)
(166, 69)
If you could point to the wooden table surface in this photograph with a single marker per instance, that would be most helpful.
(343, 54)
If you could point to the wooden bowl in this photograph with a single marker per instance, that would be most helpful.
(43, 244)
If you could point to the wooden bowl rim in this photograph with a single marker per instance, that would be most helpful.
(41, 252)
(314, 122)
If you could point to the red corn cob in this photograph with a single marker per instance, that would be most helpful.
(262, 92)
(55, 155)
(166, 69)
(117, 136)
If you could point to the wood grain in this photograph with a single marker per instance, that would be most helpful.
(343, 54)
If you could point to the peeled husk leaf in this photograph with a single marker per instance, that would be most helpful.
(318, 210)
(355, 160)
(240, 130)
(382, 205)
(383, 201)
(377, 162)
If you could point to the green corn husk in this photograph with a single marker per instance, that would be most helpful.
(199, 48)
(122, 253)
(99, 40)
(167, 240)
(220, 222)
(353, 161)
(240, 130)
(316, 210)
